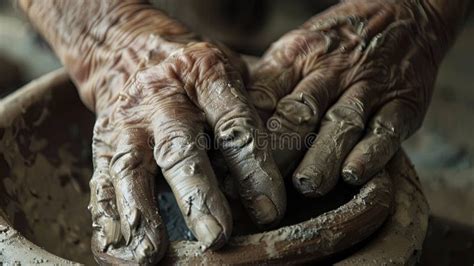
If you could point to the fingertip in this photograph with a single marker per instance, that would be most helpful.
(264, 211)
(267, 203)
(306, 186)
(149, 249)
(210, 233)
(353, 174)
(310, 182)
(150, 245)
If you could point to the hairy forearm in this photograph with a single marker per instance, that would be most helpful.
(89, 36)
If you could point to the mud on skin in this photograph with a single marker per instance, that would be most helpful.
(360, 75)
(151, 81)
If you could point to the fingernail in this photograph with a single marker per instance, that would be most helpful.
(308, 181)
(263, 210)
(352, 173)
(209, 232)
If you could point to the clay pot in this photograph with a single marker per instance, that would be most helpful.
(45, 166)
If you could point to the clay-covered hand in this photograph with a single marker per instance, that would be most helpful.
(360, 75)
(156, 89)
(158, 118)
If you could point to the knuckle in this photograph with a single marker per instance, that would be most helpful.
(129, 159)
(174, 144)
(203, 52)
(234, 130)
(238, 116)
(124, 160)
(298, 110)
(102, 189)
(398, 120)
(205, 64)
(351, 115)
(386, 129)
(296, 43)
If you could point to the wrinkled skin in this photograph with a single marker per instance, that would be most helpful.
(156, 88)
(361, 75)
(156, 120)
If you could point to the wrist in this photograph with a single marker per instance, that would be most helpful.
(451, 12)
(449, 16)
(122, 43)
(101, 43)
(434, 23)
(143, 36)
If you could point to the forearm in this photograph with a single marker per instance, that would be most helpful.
(451, 14)
(437, 22)
(88, 36)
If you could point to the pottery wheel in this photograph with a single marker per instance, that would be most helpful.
(45, 135)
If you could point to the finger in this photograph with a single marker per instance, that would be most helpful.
(133, 169)
(285, 64)
(339, 14)
(378, 22)
(360, 30)
(269, 84)
(235, 122)
(235, 59)
(297, 115)
(181, 154)
(391, 125)
(105, 217)
(340, 130)
(224, 179)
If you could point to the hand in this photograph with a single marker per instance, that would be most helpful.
(170, 99)
(156, 88)
(361, 75)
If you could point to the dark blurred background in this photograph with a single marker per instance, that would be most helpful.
(442, 151)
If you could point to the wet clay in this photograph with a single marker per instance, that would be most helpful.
(149, 80)
(44, 163)
(333, 224)
(155, 88)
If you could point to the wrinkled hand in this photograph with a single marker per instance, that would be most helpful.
(157, 118)
(360, 75)
(156, 88)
